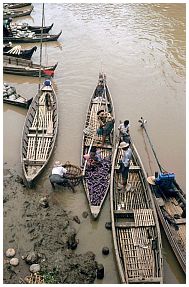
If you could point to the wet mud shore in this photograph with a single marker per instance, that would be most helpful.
(41, 235)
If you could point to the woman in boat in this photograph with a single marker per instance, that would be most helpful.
(93, 158)
(106, 123)
(124, 131)
(59, 176)
(124, 165)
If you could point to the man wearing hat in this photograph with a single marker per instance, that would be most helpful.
(125, 163)
(59, 177)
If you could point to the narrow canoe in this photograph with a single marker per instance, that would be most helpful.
(24, 67)
(17, 52)
(17, 100)
(135, 226)
(96, 182)
(13, 13)
(35, 39)
(36, 29)
(15, 5)
(39, 133)
(171, 209)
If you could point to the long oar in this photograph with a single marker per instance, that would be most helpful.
(143, 122)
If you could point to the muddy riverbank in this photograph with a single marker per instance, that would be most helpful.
(46, 231)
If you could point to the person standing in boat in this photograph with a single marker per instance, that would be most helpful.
(124, 165)
(124, 131)
(106, 123)
(59, 176)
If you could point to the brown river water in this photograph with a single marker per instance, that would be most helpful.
(141, 48)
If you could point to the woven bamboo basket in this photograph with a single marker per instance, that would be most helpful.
(76, 173)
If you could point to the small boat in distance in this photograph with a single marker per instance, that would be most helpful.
(10, 96)
(36, 38)
(26, 27)
(16, 51)
(13, 13)
(15, 5)
(96, 181)
(17, 66)
(39, 132)
(135, 226)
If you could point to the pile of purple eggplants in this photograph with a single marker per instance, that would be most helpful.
(97, 178)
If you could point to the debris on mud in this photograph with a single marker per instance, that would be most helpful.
(44, 238)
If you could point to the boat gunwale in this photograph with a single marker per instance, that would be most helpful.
(83, 144)
(30, 180)
(123, 276)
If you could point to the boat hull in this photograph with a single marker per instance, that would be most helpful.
(37, 39)
(96, 191)
(135, 227)
(175, 229)
(39, 134)
(24, 104)
(24, 67)
(15, 13)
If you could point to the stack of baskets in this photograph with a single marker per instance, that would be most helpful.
(75, 173)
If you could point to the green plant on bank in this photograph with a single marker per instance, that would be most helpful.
(51, 277)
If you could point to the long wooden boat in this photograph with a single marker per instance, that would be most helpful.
(15, 5)
(13, 13)
(170, 201)
(39, 132)
(36, 29)
(96, 182)
(17, 100)
(171, 209)
(36, 38)
(135, 227)
(24, 67)
(17, 52)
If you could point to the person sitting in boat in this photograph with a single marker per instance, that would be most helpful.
(59, 176)
(124, 131)
(93, 158)
(124, 165)
(7, 28)
(48, 101)
(106, 123)
(8, 45)
(99, 89)
(165, 181)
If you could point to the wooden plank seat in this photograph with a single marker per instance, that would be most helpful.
(35, 128)
(123, 211)
(106, 146)
(144, 280)
(124, 224)
(33, 162)
(131, 168)
(41, 135)
(180, 221)
(141, 217)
